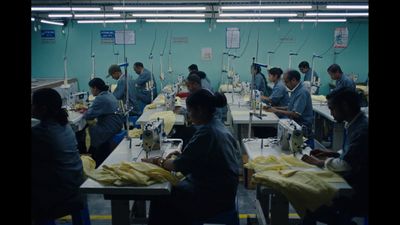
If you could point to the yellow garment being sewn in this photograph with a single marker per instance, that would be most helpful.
(150, 106)
(135, 133)
(178, 101)
(169, 119)
(246, 98)
(304, 189)
(160, 100)
(88, 164)
(133, 173)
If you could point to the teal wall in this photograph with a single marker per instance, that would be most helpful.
(47, 58)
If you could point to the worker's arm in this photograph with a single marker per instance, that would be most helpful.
(94, 110)
(293, 115)
(143, 78)
(120, 89)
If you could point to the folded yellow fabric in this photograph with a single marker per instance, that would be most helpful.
(178, 101)
(133, 173)
(135, 133)
(304, 189)
(318, 98)
(150, 106)
(88, 164)
(169, 119)
(160, 100)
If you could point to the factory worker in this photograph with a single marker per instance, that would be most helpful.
(279, 95)
(342, 80)
(351, 163)
(143, 85)
(205, 82)
(109, 123)
(304, 67)
(210, 163)
(260, 83)
(300, 105)
(120, 91)
(56, 168)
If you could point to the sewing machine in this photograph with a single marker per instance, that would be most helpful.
(170, 100)
(256, 98)
(290, 136)
(154, 138)
(80, 97)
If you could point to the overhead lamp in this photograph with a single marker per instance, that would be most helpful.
(106, 21)
(65, 8)
(168, 15)
(52, 22)
(175, 20)
(96, 15)
(257, 14)
(32, 19)
(337, 14)
(119, 8)
(266, 7)
(60, 15)
(245, 20)
(347, 7)
(316, 20)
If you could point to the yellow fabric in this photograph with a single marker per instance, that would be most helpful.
(363, 88)
(135, 133)
(133, 173)
(246, 98)
(169, 119)
(91, 122)
(88, 164)
(160, 100)
(149, 106)
(178, 101)
(304, 189)
(318, 98)
(87, 139)
(113, 86)
(91, 98)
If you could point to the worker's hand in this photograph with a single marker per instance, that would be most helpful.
(152, 160)
(323, 154)
(269, 109)
(174, 153)
(313, 161)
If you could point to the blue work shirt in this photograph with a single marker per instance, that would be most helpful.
(56, 167)
(344, 82)
(143, 95)
(279, 96)
(120, 92)
(300, 102)
(259, 83)
(307, 75)
(206, 84)
(210, 162)
(104, 108)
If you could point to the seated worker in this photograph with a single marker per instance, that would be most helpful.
(300, 105)
(304, 67)
(210, 163)
(342, 81)
(120, 91)
(352, 163)
(193, 84)
(56, 168)
(143, 86)
(279, 95)
(205, 82)
(260, 83)
(103, 108)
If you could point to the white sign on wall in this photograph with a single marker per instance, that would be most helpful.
(232, 37)
(206, 53)
(129, 37)
(341, 37)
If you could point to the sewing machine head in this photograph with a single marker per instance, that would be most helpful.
(153, 134)
(256, 99)
(290, 136)
(170, 100)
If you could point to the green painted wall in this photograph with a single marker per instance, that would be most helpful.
(47, 58)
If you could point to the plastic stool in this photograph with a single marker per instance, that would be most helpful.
(118, 137)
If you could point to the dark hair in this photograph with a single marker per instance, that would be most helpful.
(98, 83)
(193, 67)
(205, 99)
(138, 64)
(276, 71)
(50, 99)
(193, 77)
(257, 68)
(345, 95)
(293, 74)
(201, 74)
(334, 68)
(304, 64)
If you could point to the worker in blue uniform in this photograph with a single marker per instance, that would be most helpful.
(56, 168)
(300, 105)
(351, 162)
(304, 67)
(205, 82)
(260, 83)
(279, 95)
(342, 80)
(145, 85)
(109, 123)
(210, 163)
(120, 91)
